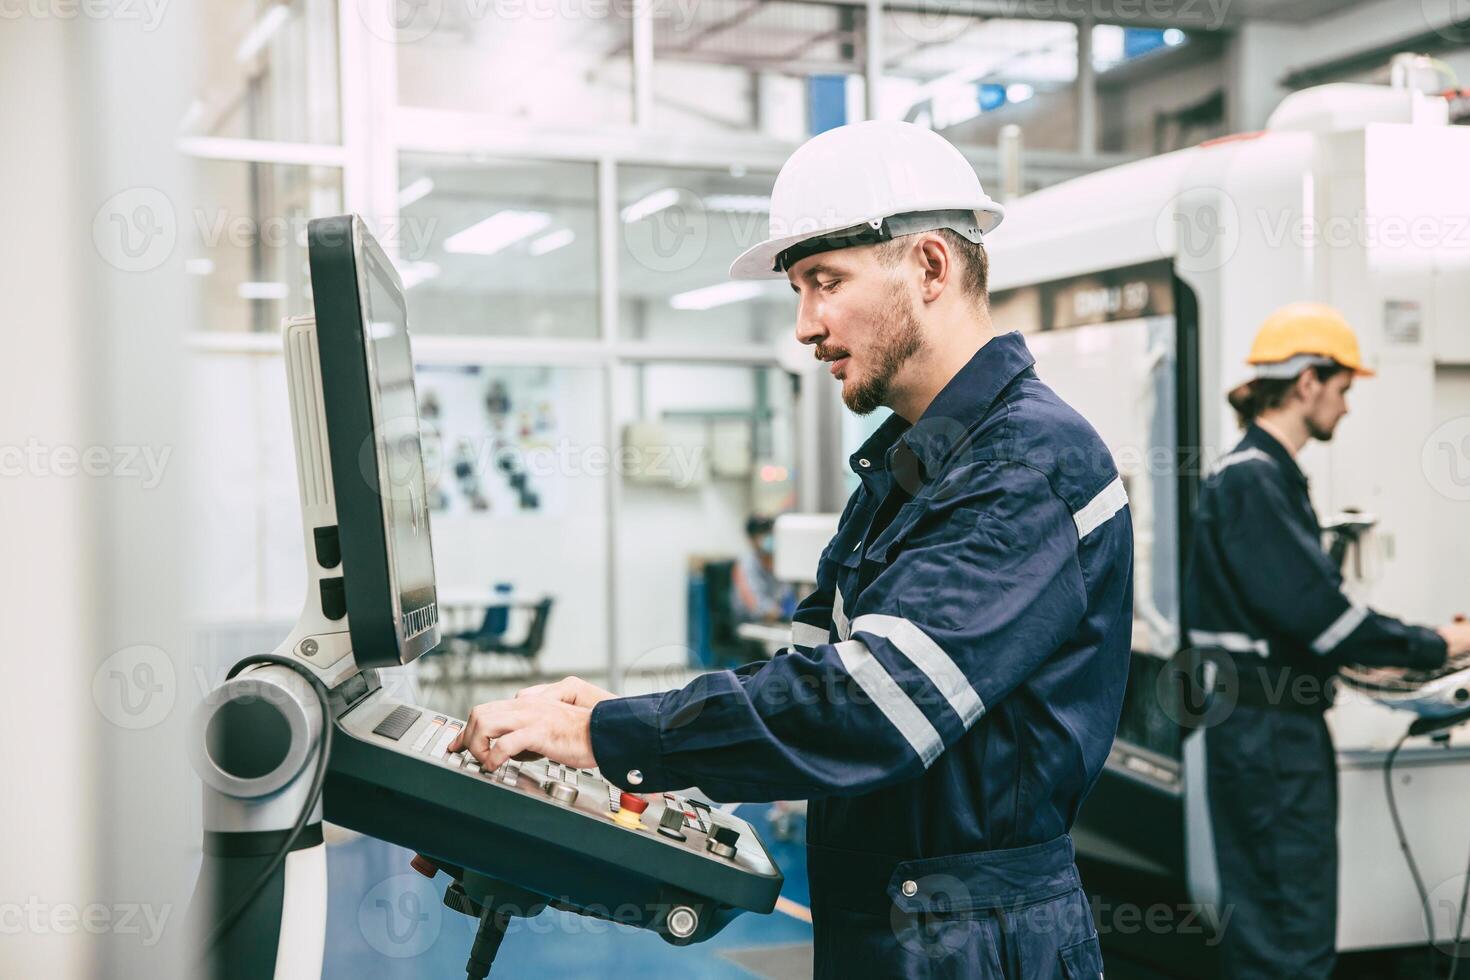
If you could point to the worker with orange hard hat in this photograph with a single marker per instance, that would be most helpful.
(1263, 601)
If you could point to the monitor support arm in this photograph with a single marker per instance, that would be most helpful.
(260, 905)
(260, 740)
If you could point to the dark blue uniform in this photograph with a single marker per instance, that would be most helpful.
(1265, 603)
(950, 695)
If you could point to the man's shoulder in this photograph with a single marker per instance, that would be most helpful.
(1036, 428)
(1243, 470)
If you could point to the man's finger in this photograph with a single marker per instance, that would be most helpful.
(489, 722)
(507, 745)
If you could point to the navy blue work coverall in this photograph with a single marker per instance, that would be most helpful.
(950, 695)
(1264, 603)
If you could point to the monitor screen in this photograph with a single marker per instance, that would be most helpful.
(375, 443)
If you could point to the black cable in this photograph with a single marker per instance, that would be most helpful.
(1424, 905)
(1398, 828)
(318, 779)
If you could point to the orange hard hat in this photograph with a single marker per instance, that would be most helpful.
(1301, 335)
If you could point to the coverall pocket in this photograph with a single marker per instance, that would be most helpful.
(1081, 961)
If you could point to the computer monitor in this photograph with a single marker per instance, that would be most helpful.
(375, 447)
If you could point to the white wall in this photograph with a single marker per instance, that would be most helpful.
(46, 592)
(247, 550)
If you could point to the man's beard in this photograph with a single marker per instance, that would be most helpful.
(898, 338)
(1318, 432)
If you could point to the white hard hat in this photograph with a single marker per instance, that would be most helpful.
(863, 184)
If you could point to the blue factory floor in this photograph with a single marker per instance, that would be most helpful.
(386, 921)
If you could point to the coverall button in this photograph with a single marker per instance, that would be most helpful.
(864, 463)
(635, 776)
(910, 889)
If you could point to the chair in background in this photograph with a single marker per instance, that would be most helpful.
(484, 654)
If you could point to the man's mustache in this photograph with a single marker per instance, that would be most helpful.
(825, 353)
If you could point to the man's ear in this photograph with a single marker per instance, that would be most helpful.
(936, 264)
(1307, 386)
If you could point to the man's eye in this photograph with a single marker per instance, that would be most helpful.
(830, 286)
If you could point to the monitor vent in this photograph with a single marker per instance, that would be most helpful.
(418, 620)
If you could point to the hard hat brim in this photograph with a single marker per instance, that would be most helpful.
(759, 261)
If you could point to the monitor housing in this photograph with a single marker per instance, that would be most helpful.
(364, 501)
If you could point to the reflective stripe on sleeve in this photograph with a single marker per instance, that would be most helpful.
(807, 635)
(927, 655)
(1234, 642)
(1111, 499)
(1339, 630)
(901, 712)
(839, 618)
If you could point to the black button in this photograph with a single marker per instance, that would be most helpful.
(328, 546)
(334, 598)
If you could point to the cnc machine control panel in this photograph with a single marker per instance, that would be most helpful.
(565, 833)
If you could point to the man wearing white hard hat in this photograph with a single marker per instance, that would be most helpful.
(952, 686)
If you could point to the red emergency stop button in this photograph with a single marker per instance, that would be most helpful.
(632, 801)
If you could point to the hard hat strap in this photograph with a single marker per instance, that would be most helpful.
(889, 228)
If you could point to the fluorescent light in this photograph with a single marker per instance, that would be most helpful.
(720, 295)
(497, 232)
(739, 203)
(416, 191)
(199, 267)
(260, 35)
(1174, 37)
(1019, 92)
(650, 204)
(263, 290)
(413, 273)
(552, 241)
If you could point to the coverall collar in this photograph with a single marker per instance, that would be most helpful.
(960, 404)
(1258, 438)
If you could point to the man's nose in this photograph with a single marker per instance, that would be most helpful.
(809, 329)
